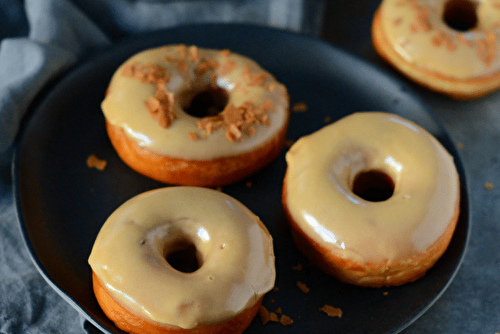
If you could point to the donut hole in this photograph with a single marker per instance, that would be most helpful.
(183, 256)
(207, 102)
(373, 186)
(460, 15)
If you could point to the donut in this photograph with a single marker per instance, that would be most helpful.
(449, 46)
(372, 199)
(182, 260)
(192, 116)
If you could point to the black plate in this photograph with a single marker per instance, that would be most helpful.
(62, 204)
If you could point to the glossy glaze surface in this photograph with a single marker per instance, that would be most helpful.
(234, 249)
(124, 105)
(418, 33)
(320, 174)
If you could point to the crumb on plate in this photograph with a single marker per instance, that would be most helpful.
(331, 311)
(302, 286)
(94, 162)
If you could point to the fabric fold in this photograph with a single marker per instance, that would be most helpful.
(59, 36)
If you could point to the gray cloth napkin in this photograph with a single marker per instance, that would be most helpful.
(59, 34)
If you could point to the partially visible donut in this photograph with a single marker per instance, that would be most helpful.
(192, 116)
(450, 46)
(372, 199)
(182, 260)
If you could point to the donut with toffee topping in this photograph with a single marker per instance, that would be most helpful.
(191, 116)
(182, 260)
(372, 199)
(449, 46)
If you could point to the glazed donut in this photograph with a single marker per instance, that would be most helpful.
(192, 116)
(182, 260)
(450, 46)
(372, 199)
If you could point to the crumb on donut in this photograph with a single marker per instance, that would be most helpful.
(205, 65)
(398, 21)
(272, 87)
(147, 73)
(237, 121)
(193, 136)
(331, 311)
(94, 162)
(489, 185)
(302, 286)
(160, 107)
(227, 67)
(443, 38)
(193, 54)
(225, 52)
(181, 49)
(257, 79)
(300, 107)
(487, 48)
(465, 41)
(421, 24)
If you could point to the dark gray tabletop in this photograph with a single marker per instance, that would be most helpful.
(471, 304)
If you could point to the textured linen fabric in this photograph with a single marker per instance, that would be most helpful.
(40, 41)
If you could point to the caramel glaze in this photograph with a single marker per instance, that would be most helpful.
(233, 247)
(371, 243)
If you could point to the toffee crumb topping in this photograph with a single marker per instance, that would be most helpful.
(264, 315)
(286, 320)
(147, 73)
(443, 38)
(235, 121)
(227, 67)
(486, 46)
(273, 317)
(225, 53)
(421, 24)
(159, 106)
(238, 121)
(94, 162)
(300, 107)
(302, 286)
(331, 311)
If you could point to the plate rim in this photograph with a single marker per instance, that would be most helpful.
(87, 61)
